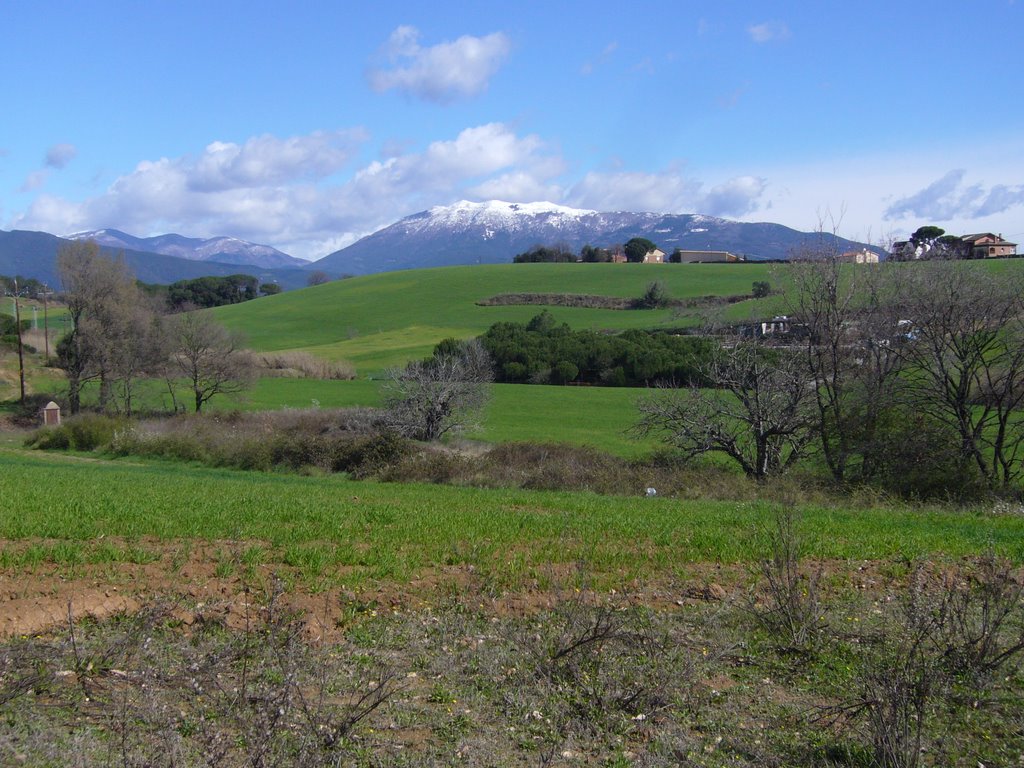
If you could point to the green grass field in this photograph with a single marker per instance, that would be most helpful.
(595, 416)
(386, 319)
(389, 531)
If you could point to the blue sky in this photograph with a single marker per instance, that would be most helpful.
(308, 125)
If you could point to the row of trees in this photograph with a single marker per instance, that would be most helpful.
(910, 377)
(119, 336)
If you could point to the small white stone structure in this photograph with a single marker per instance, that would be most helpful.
(51, 414)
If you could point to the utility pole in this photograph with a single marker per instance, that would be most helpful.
(46, 324)
(21, 354)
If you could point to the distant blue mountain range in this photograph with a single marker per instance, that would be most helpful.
(464, 233)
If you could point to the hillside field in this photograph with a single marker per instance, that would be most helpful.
(385, 319)
(382, 320)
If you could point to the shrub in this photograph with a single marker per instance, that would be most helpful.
(790, 609)
(373, 456)
(917, 456)
(654, 296)
(84, 432)
(429, 466)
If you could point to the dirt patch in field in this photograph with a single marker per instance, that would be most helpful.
(210, 580)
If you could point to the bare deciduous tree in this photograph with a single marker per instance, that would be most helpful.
(209, 357)
(429, 398)
(108, 313)
(851, 321)
(318, 277)
(964, 350)
(758, 414)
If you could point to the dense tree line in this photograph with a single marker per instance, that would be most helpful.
(556, 254)
(210, 291)
(545, 352)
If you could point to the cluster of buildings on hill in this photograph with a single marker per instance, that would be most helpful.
(926, 243)
(983, 245)
(679, 256)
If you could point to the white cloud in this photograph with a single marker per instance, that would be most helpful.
(736, 197)
(949, 198)
(668, 191)
(59, 155)
(589, 66)
(768, 31)
(267, 159)
(35, 180)
(275, 191)
(1001, 198)
(442, 73)
(518, 187)
(662, 192)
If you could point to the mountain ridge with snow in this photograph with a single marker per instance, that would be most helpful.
(494, 231)
(225, 250)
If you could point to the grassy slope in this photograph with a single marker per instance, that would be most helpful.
(393, 530)
(385, 319)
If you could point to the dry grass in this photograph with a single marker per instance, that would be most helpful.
(303, 365)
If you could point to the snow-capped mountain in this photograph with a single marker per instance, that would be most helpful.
(495, 231)
(226, 250)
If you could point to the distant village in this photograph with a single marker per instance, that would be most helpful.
(927, 243)
(934, 243)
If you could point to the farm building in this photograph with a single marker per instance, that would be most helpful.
(986, 245)
(863, 256)
(705, 257)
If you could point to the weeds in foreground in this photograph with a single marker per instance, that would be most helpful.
(592, 679)
(791, 609)
(952, 631)
(981, 619)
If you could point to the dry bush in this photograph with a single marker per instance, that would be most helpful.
(303, 365)
(544, 466)
(981, 619)
(328, 440)
(902, 678)
(790, 609)
(137, 692)
(953, 630)
(594, 667)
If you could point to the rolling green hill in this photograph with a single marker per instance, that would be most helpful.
(385, 319)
